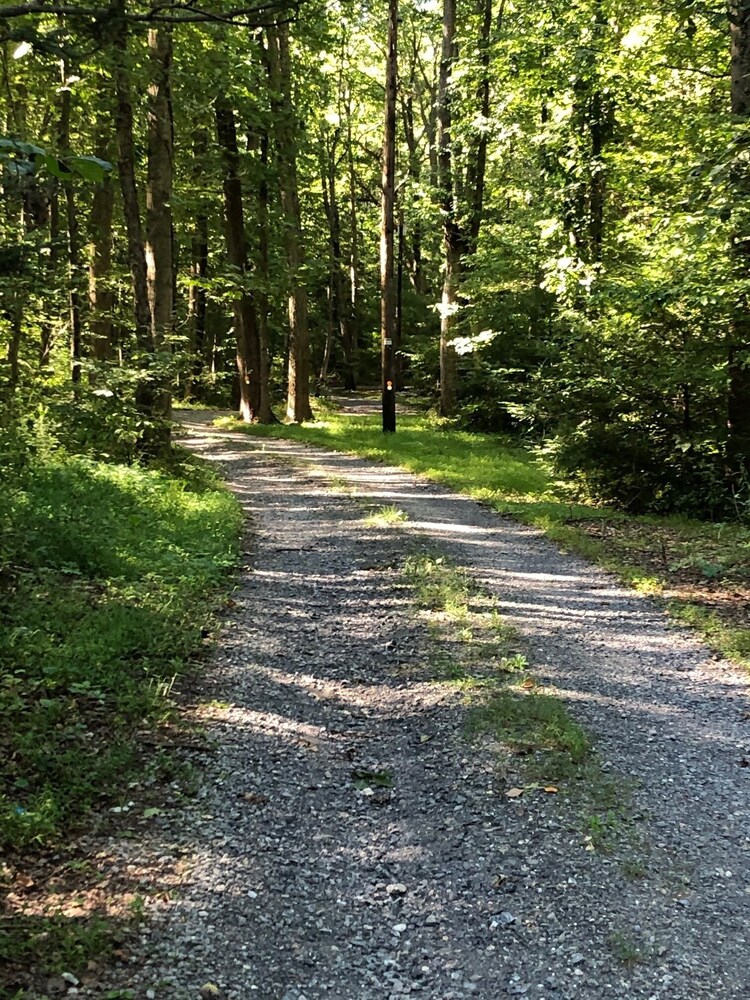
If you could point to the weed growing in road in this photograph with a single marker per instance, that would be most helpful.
(386, 517)
(628, 950)
(505, 699)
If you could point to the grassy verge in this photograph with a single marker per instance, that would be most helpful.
(108, 579)
(702, 570)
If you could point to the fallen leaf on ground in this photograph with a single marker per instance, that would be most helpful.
(551, 790)
(514, 793)
(529, 683)
(255, 798)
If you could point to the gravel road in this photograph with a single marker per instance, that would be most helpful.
(298, 885)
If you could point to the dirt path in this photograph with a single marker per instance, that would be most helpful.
(300, 886)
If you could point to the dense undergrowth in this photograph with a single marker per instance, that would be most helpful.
(702, 567)
(106, 577)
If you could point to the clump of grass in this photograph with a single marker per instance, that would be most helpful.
(479, 653)
(386, 517)
(627, 949)
(529, 721)
(66, 943)
(438, 585)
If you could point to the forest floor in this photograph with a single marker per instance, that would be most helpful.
(449, 761)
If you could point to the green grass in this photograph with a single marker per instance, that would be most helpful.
(519, 481)
(385, 517)
(66, 944)
(485, 466)
(109, 577)
(106, 582)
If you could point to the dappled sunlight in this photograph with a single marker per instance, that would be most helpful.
(302, 734)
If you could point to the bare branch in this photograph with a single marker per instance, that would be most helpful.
(252, 15)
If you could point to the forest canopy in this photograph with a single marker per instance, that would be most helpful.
(195, 208)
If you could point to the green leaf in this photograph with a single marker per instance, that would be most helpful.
(23, 148)
(90, 168)
(55, 167)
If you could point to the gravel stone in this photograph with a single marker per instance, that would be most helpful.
(293, 884)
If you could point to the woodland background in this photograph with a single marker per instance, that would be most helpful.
(571, 207)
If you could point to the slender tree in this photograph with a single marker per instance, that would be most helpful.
(388, 294)
(245, 318)
(159, 235)
(454, 244)
(280, 79)
(738, 343)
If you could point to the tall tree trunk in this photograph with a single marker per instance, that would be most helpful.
(328, 346)
(387, 276)
(156, 438)
(477, 161)
(197, 295)
(416, 271)
(452, 238)
(245, 320)
(398, 337)
(159, 237)
(280, 71)
(71, 220)
(351, 346)
(266, 415)
(600, 128)
(101, 296)
(738, 340)
(198, 298)
(339, 313)
(53, 261)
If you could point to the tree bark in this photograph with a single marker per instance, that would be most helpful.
(339, 312)
(416, 271)
(71, 222)
(452, 238)
(159, 237)
(351, 345)
(266, 415)
(280, 74)
(101, 297)
(477, 162)
(156, 438)
(387, 275)
(600, 128)
(398, 337)
(245, 319)
(738, 340)
(47, 328)
(197, 296)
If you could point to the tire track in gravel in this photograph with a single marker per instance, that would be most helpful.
(300, 887)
